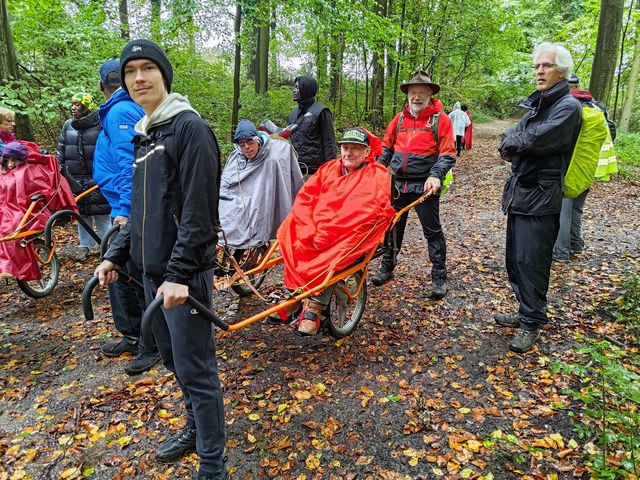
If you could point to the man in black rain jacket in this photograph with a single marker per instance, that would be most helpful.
(314, 138)
(539, 149)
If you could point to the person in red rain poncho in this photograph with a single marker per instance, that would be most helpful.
(26, 172)
(341, 213)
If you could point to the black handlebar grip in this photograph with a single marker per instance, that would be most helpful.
(87, 308)
(145, 324)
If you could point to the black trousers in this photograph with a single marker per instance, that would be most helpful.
(187, 346)
(530, 242)
(429, 215)
(459, 143)
(127, 306)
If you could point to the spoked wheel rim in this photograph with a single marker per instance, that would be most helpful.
(346, 313)
(248, 259)
(48, 273)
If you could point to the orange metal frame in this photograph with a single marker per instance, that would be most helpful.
(330, 279)
(18, 234)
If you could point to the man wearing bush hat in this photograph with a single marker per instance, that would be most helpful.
(419, 147)
(171, 236)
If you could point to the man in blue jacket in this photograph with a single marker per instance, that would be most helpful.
(112, 171)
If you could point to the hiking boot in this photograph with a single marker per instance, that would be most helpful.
(438, 289)
(82, 254)
(141, 363)
(311, 318)
(119, 348)
(221, 475)
(177, 446)
(507, 320)
(524, 339)
(559, 259)
(383, 275)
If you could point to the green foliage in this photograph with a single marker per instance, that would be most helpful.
(610, 392)
(627, 146)
(626, 308)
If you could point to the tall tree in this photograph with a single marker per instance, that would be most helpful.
(156, 8)
(9, 68)
(123, 12)
(236, 68)
(627, 108)
(604, 61)
(262, 50)
(377, 80)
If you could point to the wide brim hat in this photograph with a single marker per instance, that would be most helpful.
(420, 77)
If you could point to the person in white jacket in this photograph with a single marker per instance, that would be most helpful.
(460, 121)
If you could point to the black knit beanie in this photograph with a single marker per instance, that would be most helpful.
(143, 48)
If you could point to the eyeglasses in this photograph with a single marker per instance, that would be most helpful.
(246, 143)
(545, 66)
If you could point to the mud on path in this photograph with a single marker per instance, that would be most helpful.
(422, 390)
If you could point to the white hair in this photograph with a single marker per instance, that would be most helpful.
(563, 61)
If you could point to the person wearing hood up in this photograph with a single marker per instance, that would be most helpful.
(460, 121)
(570, 240)
(258, 185)
(314, 138)
(171, 236)
(419, 147)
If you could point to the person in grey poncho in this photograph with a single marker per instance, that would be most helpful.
(258, 185)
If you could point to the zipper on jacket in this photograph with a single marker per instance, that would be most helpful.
(144, 206)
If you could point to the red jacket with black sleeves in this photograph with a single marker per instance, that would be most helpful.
(412, 150)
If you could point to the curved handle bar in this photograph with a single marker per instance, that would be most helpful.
(92, 283)
(66, 213)
(145, 324)
(104, 244)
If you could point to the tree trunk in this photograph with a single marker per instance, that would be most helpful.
(336, 54)
(123, 12)
(400, 50)
(321, 61)
(262, 54)
(156, 8)
(625, 118)
(235, 109)
(377, 84)
(604, 61)
(9, 68)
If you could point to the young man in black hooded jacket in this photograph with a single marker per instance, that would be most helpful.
(171, 237)
(314, 138)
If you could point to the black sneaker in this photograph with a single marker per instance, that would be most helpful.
(383, 275)
(507, 320)
(141, 363)
(119, 348)
(524, 340)
(438, 290)
(177, 446)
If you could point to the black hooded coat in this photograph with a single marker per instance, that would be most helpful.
(314, 138)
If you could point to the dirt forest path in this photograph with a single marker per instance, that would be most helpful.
(422, 390)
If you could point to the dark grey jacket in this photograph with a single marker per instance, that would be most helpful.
(539, 149)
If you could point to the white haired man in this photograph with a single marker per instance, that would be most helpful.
(539, 149)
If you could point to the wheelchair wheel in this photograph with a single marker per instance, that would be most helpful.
(247, 259)
(48, 273)
(346, 313)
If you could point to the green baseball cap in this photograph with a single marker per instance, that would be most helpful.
(355, 135)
